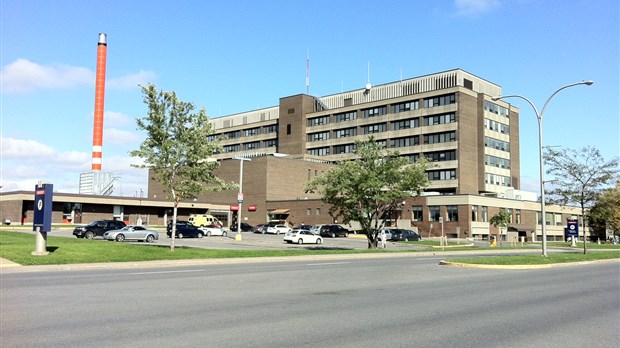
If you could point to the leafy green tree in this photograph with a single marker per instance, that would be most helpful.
(580, 176)
(176, 149)
(370, 187)
(501, 220)
(605, 214)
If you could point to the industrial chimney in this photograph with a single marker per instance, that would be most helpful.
(102, 47)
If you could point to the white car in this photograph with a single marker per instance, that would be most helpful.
(300, 236)
(277, 229)
(213, 231)
(132, 232)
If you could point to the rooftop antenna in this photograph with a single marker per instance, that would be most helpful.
(368, 84)
(308, 72)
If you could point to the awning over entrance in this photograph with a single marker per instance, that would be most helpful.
(280, 211)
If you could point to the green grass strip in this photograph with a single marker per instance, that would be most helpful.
(539, 259)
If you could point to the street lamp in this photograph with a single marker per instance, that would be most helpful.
(240, 195)
(540, 116)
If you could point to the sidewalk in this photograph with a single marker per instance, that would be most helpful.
(4, 263)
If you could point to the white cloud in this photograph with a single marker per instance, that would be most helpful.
(26, 162)
(132, 80)
(24, 76)
(119, 136)
(475, 7)
(117, 118)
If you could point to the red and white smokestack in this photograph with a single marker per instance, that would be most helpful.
(102, 47)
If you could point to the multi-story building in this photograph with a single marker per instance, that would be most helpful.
(449, 117)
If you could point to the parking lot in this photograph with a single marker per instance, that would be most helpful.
(254, 241)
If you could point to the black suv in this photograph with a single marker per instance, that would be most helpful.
(333, 231)
(184, 229)
(97, 228)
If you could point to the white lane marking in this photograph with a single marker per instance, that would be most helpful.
(327, 263)
(164, 272)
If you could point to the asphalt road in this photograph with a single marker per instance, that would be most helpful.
(407, 301)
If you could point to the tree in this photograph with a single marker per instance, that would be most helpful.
(370, 187)
(501, 220)
(605, 214)
(176, 149)
(580, 177)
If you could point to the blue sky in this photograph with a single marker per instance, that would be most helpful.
(234, 56)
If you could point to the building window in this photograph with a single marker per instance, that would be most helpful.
(251, 146)
(496, 109)
(318, 211)
(496, 126)
(453, 212)
(345, 116)
(416, 212)
(270, 143)
(438, 101)
(372, 112)
(412, 157)
(406, 124)
(496, 162)
(309, 211)
(439, 138)
(231, 148)
(213, 137)
(485, 214)
(250, 132)
(448, 174)
(374, 128)
(338, 149)
(440, 156)
(232, 135)
(318, 136)
(406, 106)
(474, 213)
(319, 151)
(317, 121)
(406, 141)
(496, 144)
(495, 179)
(439, 119)
(347, 132)
(288, 129)
(270, 129)
(518, 216)
(433, 213)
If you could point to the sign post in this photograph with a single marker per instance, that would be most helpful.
(43, 194)
(572, 230)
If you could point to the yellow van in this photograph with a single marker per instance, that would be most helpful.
(202, 220)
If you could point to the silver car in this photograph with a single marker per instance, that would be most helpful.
(132, 232)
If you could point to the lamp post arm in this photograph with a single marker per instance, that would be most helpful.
(561, 88)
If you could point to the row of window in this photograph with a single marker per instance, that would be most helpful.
(496, 162)
(496, 144)
(382, 127)
(495, 179)
(246, 132)
(496, 126)
(249, 146)
(496, 109)
(452, 214)
(382, 110)
(446, 174)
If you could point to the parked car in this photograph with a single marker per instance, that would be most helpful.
(179, 223)
(333, 231)
(260, 228)
(301, 236)
(185, 229)
(304, 227)
(405, 235)
(277, 229)
(131, 232)
(388, 233)
(214, 230)
(97, 228)
(245, 227)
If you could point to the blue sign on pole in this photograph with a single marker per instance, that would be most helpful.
(572, 228)
(43, 207)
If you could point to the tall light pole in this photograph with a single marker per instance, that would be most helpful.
(540, 116)
(240, 195)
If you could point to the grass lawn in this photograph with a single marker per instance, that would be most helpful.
(538, 259)
(17, 247)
